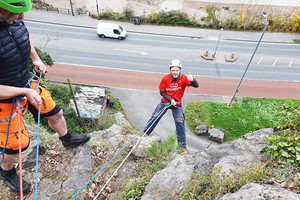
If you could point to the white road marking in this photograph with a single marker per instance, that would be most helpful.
(275, 61)
(291, 62)
(259, 60)
(133, 51)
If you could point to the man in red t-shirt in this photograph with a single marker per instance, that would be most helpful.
(172, 88)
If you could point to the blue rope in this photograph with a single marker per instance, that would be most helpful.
(106, 165)
(36, 191)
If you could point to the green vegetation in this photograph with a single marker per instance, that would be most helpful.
(285, 145)
(297, 41)
(44, 56)
(216, 184)
(157, 158)
(249, 18)
(239, 119)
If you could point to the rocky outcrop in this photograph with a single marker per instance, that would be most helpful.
(256, 192)
(230, 156)
(64, 172)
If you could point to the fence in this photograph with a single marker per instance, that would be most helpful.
(78, 11)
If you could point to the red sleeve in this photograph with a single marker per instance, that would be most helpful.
(162, 85)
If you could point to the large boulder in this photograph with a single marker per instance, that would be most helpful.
(229, 156)
(255, 191)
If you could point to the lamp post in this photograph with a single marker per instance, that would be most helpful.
(266, 27)
(217, 44)
(71, 4)
(97, 8)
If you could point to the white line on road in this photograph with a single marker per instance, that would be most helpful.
(259, 60)
(291, 62)
(275, 61)
(133, 51)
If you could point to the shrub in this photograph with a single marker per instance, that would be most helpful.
(128, 13)
(246, 19)
(211, 14)
(44, 56)
(295, 18)
(285, 149)
(285, 145)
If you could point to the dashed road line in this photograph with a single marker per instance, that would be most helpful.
(259, 60)
(275, 61)
(291, 62)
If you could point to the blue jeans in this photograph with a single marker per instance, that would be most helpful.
(178, 117)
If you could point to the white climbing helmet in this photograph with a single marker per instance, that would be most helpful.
(175, 63)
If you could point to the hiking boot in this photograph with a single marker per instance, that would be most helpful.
(184, 152)
(70, 140)
(12, 180)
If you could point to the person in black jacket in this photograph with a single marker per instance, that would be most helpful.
(18, 90)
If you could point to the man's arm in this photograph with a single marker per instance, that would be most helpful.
(7, 92)
(194, 83)
(163, 94)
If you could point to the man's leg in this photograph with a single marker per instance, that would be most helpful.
(56, 120)
(178, 116)
(9, 174)
(155, 118)
(8, 161)
(57, 123)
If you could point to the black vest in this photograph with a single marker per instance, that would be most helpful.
(14, 54)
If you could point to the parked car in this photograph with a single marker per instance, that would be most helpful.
(111, 30)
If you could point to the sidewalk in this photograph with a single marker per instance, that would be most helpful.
(88, 22)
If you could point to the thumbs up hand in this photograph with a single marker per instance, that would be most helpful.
(190, 77)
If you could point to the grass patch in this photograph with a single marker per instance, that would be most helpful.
(297, 41)
(215, 185)
(239, 119)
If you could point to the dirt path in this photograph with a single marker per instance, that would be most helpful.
(113, 78)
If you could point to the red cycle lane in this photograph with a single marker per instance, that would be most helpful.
(113, 78)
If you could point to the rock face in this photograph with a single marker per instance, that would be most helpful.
(256, 192)
(63, 173)
(230, 156)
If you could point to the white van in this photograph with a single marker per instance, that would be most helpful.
(112, 30)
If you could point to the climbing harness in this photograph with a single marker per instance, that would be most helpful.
(152, 121)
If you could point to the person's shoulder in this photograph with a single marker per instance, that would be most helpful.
(183, 76)
(166, 76)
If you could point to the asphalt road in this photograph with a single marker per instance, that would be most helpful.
(147, 52)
